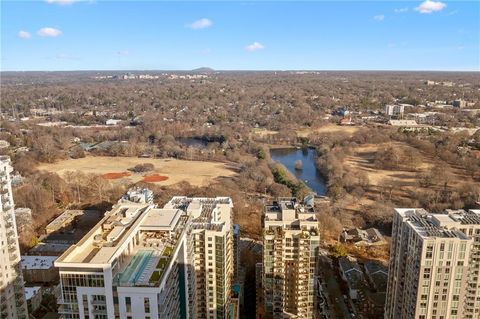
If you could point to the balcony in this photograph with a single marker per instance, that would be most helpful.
(99, 311)
(99, 302)
(19, 302)
(13, 256)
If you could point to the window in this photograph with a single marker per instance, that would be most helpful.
(128, 304)
(146, 303)
(429, 253)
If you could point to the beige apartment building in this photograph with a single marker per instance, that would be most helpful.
(12, 295)
(141, 261)
(290, 259)
(434, 265)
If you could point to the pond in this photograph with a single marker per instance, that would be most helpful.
(193, 142)
(309, 173)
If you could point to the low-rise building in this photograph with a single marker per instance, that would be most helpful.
(361, 237)
(352, 274)
(403, 123)
(63, 221)
(112, 122)
(377, 274)
(4, 144)
(459, 103)
(49, 249)
(33, 295)
(39, 269)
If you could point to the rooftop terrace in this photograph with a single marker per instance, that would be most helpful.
(207, 213)
(289, 210)
(102, 241)
(136, 240)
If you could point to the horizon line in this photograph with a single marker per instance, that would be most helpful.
(244, 70)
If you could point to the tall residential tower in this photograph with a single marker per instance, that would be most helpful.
(290, 259)
(434, 265)
(12, 297)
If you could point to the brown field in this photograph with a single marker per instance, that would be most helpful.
(305, 132)
(195, 172)
(329, 128)
(364, 156)
(405, 181)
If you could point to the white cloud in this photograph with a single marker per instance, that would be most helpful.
(61, 2)
(254, 47)
(430, 6)
(200, 24)
(379, 17)
(401, 10)
(123, 52)
(49, 32)
(24, 34)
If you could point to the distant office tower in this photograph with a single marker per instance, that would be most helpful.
(12, 296)
(290, 259)
(434, 265)
(140, 261)
(394, 110)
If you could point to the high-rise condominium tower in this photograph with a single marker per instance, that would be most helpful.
(12, 296)
(434, 265)
(141, 261)
(290, 259)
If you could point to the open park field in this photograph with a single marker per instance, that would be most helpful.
(306, 131)
(195, 172)
(328, 129)
(401, 182)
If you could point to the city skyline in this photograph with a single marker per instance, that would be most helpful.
(57, 35)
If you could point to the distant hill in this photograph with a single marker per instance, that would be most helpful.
(203, 70)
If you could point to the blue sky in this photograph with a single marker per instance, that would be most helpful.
(230, 35)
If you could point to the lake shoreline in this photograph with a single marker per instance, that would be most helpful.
(309, 174)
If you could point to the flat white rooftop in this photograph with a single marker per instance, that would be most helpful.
(104, 240)
(161, 219)
(31, 291)
(38, 262)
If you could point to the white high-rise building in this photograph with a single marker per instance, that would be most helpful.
(212, 231)
(291, 242)
(434, 265)
(140, 261)
(12, 295)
